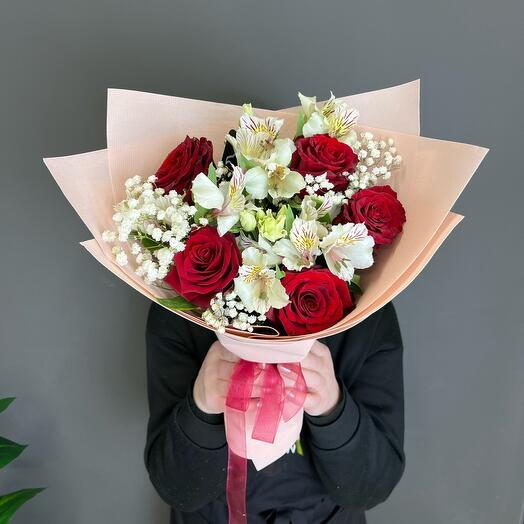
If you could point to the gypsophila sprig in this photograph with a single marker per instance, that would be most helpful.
(151, 225)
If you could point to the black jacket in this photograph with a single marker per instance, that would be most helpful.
(345, 463)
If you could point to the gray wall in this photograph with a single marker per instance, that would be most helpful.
(71, 334)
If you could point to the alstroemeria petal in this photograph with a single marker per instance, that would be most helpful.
(346, 247)
(283, 151)
(256, 182)
(292, 184)
(225, 223)
(309, 104)
(277, 295)
(206, 194)
(290, 255)
(253, 257)
(316, 125)
(245, 292)
(340, 267)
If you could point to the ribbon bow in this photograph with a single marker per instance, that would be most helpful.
(276, 401)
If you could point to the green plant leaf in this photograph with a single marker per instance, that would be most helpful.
(290, 217)
(354, 285)
(212, 174)
(10, 502)
(4, 403)
(9, 450)
(149, 243)
(243, 162)
(178, 303)
(279, 273)
(200, 213)
(301, 120)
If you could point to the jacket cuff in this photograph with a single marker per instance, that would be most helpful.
(337, 428)
(203, 429)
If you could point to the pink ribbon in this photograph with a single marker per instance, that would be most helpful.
(276, 401)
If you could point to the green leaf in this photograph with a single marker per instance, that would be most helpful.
(301, 120)
(290, 217)
(325, 219)
(4, 403)
(9, 450)
(354, 285)
(10, 502)
(212, 174)
(178, 303)
(243, 162)
(279, 273)
(200, 213)
(149, 243)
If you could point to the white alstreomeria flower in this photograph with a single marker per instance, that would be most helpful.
(335, 118)
(257, 284)
(257, 140)
(347, 247)
(274, 179)
(302, 247)
(226, 201)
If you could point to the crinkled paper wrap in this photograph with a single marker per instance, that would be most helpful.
(143, 127)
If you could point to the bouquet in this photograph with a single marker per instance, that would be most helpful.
(269, 238)
(273, 228)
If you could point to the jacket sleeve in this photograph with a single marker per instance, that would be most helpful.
(359, 455)
(186, 452)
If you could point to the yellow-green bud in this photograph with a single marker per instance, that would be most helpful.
(271, 227)
(248, 109)
(247, 220)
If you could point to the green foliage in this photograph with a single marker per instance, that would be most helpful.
(178, 303)
(10, 502)
(9, 450)
(301, 120)
(200, 213)
(279, 273)
(354, 285)
(4, 403)
(149, 243)
(243, 162)
(212, 174)
(289, 218)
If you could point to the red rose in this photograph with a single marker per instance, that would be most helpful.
(208, 265)
(318, 299)
(379, 208)
(184, 163)
(321, 154)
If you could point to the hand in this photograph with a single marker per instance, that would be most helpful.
(322, 386)
(212, 382)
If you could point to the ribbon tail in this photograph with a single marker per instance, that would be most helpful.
(236, 488)
(237, 403)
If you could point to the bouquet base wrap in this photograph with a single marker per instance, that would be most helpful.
(264, 410)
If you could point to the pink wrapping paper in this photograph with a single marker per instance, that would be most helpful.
(142, 128)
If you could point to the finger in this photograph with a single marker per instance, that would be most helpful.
(311, 401)
(313, 362)
(225, 354)
(223, 369)
(320, 350)
(314, 380)
(221, 388)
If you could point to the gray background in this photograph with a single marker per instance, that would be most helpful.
(72, 335)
